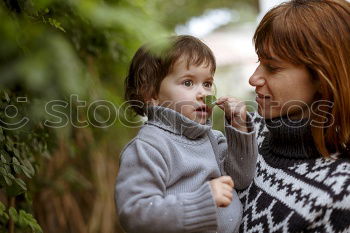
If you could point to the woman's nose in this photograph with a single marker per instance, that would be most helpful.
(257, 78)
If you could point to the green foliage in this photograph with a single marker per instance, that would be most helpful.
(51, 50)
(4, 217)
(24, 220)
(20, 153)
(175, 12)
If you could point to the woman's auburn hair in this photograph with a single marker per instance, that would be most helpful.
(316, 34)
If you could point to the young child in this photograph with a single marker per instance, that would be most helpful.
(172, 175)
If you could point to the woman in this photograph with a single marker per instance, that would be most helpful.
(303, 93)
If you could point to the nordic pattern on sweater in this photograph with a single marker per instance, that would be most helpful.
(305, 195)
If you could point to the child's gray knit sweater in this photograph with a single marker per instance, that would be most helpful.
(163, 181)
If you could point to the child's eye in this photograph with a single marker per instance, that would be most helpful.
(188, 83)
(207, 84)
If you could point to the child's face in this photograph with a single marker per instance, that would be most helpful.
(184, 89)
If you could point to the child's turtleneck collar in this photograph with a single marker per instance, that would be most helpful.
(175, 122)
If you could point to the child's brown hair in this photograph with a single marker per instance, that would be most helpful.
(152, 62)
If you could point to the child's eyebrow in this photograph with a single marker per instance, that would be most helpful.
(193, 76)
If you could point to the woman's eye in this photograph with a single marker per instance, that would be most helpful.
(271, 68)
(188, 83)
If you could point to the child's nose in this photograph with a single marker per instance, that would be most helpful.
(202, 92)
(257, 79)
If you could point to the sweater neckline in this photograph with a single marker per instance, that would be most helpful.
(174, 122)
(289, 139)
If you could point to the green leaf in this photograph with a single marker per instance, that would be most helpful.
(6, 155)
(2, 137)
(17, 168)
(7, 98)
(26, 171)
(7, 168)
(5, 176)
(16, 165)
(210, 100)
(16, 151)
(27, 168)
(3, 171)
(10, 176)
(27, 220)
(21, 183)
(8, 181)
(2, 211)
(3, 214)
(3, 159)
(15, 161)
(2, 207)
(56, 24)
(14, 190)
(13, 213)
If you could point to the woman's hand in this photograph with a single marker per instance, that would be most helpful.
(235, 112)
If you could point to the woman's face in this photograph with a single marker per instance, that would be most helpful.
(283, 88)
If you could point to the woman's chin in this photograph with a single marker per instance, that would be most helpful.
(268, 114)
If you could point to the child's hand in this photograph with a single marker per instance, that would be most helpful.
(235, 112)
(222, 190)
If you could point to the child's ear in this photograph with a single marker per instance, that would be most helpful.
(154, 101)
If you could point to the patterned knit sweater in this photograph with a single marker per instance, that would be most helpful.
(295, 190)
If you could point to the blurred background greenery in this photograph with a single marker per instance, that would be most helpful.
(74, 52)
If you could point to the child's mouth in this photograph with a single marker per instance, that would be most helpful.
(203, 110)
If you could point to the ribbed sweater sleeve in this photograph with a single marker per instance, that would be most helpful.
(239, 150)
(141, 201)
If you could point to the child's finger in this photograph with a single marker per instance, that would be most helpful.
(227, 180)
(222, 103)
(222, 106)
(227, 188)
(228, 194)
(224, 202)
(221, 100)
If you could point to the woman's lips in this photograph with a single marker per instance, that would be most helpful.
(263, 99)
